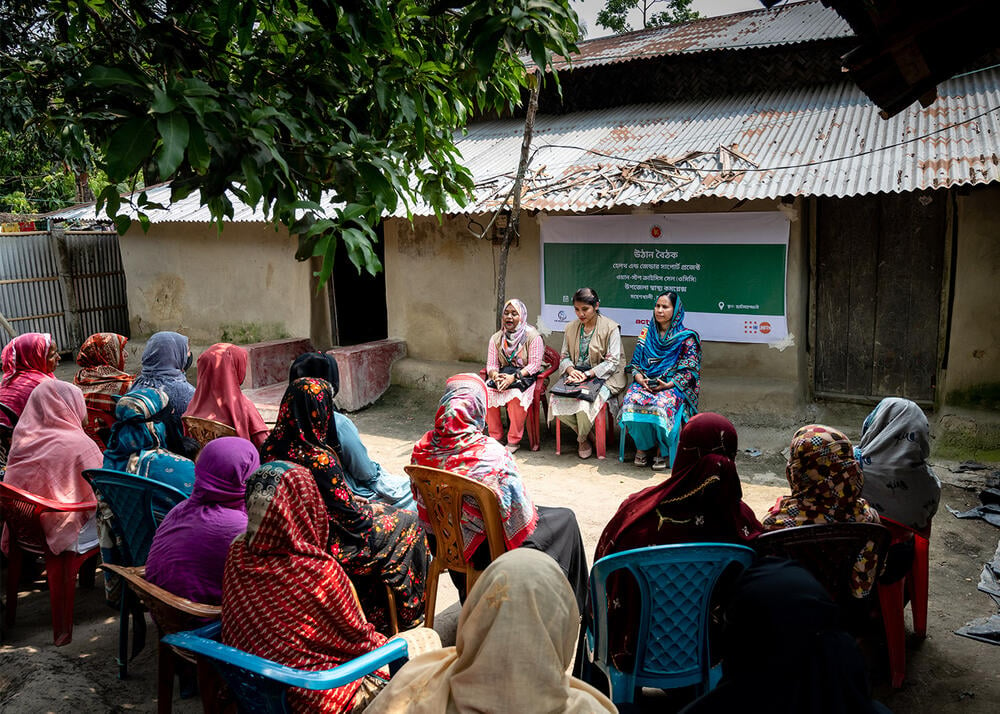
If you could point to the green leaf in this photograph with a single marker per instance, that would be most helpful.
(162, 102)
(122, 224)
(99, 76)
(128, 147)
(174, 135)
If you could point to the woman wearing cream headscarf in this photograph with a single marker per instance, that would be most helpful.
(516, 639)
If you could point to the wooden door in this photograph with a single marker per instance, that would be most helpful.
(879, 267)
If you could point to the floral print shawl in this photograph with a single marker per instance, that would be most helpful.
(457, 443)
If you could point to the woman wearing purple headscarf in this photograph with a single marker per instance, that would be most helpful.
(189, 549)
(513, 358)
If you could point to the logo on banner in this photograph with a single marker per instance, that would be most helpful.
(655, 231)
(752, 327)
(561, 316)
(765, 328)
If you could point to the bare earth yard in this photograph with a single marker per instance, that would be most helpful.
(945, 673)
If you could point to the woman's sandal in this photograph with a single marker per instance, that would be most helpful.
(641, 458)
(584, 449)
(659, 463)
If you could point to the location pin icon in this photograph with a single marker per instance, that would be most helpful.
(722, 305)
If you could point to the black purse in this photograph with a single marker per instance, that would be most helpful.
(587, 390)
(524, 383)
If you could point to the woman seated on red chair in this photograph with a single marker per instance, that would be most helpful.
(49, 451)
(893, 451)
(221, 370)
(457, 444)
(592, 348)
(826, 484)
(700, 502)
(513, 358)
(379, 546)
(102, 377)
(27, 361)
(285, 598)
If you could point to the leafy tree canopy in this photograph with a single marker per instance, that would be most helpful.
(327, 114)
(654, 13)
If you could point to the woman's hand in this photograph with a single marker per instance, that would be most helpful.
(661, 385)
(641, 380)
(575, 376)
(503, 381)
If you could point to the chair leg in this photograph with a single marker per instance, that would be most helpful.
(62, 571)
(890, 599)
(919, 575)
(601, 432)
(124, 610)
(533, 427)
(164, 679)
(621, 443)
(14, 560)
(558, 437)
(430, 594)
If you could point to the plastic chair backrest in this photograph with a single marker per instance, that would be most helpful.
(829, 551)
(138, 505)
(260, 684)
(172, 613)
(443, 493)
(675, 584)
(205, 430)
(20, 510)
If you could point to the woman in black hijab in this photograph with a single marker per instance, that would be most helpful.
(363, 476)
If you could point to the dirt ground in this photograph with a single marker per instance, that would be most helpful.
(945, 673)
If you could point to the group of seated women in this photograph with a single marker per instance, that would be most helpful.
(281, 527)
(664, 375)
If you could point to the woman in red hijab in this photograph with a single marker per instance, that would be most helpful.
(27, 361)
(700, 502)
(221, 370)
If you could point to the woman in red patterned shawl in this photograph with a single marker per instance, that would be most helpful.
(457, 444)
(284, 597)
(700, 502)
(377, 545)
(27, 361)
(102, 376)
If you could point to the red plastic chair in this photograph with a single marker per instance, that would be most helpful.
(20, 510)
(97, 422)
(892, 597)
(600, 433)
(532, 424)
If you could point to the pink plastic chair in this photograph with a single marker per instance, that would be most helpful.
(892, 598)
(20, 510)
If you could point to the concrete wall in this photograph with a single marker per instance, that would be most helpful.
(189, 278)
(974, 346)
(441, 295)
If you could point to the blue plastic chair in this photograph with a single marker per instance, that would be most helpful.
(138, 505)
(261, 685)
(675, 584)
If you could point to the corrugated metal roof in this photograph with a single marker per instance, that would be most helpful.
(817, 141)
(784, 25)
(824, 141)
(187, 210)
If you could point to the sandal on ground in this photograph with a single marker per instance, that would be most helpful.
(659, 463)
(512, 448)
(641, 458)
(584, 449)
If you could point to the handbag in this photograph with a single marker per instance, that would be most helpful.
(587, 390)
(524, 383)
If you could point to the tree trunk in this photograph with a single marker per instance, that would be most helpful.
(515, 209)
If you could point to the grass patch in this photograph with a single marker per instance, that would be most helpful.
(245, 333)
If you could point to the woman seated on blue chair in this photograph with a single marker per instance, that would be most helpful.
(665, 369)
(700, 502)
(285, 598)
(190, 546)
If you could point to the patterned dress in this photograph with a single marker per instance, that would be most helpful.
(376, 544)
